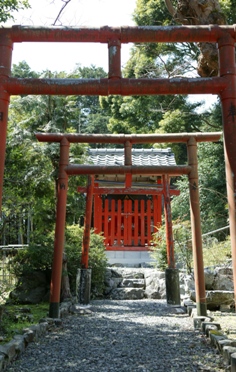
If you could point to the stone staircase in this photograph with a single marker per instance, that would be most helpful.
(126, 283)
(133, 283)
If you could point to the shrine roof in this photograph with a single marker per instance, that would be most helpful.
(153, 156)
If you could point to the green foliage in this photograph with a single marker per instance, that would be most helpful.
(228, 7)
(212, 189)
(8, 6)
(32, 168)
(97, 257)
(182, 246)
(39, 255)
(217, 253)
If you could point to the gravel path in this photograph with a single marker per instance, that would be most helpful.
(143, 335)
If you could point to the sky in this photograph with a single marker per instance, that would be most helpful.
(78, 13)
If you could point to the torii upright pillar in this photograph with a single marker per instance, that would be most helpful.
(55, 288)
(83, 280)
(196, 228)
(6, 47)
(226, 47)
(171, 273)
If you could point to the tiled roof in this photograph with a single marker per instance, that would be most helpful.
(153, 156)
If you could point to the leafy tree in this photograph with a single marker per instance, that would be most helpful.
(193, 13)
(173, 114)
(31, 167)
(8, 6)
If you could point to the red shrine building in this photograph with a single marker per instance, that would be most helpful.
(127, 209)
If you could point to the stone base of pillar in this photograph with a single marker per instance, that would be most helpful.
(172, 286)
(83, 286)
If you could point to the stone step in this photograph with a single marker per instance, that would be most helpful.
(127, 294)
(133, 283)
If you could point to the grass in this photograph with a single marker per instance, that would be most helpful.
(15, 318)
(217, 253)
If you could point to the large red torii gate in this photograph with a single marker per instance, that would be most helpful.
(224, 85)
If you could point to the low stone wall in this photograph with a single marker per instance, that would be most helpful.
(137, 283)
(123, 283)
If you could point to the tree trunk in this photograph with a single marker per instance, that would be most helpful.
(200, 12)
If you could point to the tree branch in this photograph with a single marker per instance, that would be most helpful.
(66, 2)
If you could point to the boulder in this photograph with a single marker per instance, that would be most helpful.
(223, 283)
(214, 299)
(31, 288)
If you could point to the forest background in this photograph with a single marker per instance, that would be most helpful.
(30, 184)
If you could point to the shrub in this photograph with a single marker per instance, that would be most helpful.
(97, 257)
(182, 246)
(39, 254)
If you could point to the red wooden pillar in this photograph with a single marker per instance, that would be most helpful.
(171, 273)
(128, 161)
(196, 228)
(6, 46)
(55, 288)
(228, 101)
(168, 222)
(97, 219)
(114, 47)
(87, 223)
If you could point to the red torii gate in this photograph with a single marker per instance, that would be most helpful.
(191, 170)
(223, 85)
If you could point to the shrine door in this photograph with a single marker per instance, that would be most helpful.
(127, 221)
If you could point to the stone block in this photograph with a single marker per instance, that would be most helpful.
(3, 361)
(9, 350)
(206, 323)
(227, 352)
(197, 321)
(233, 362)
(215, 338)
(225, 342)
(133, 283)
(29, 335)
(20, 344)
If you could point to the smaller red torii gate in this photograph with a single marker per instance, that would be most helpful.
(66, 169)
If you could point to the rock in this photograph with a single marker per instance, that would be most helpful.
(209, 278)
(215, 298)
(127, 294)
(223, 282)
(31, 288)
(135, 283)
(223, 271)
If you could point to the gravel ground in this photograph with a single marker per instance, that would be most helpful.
(143, 335)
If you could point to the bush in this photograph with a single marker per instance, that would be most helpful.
(182, 246)
(97, 257)
(39, 256)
